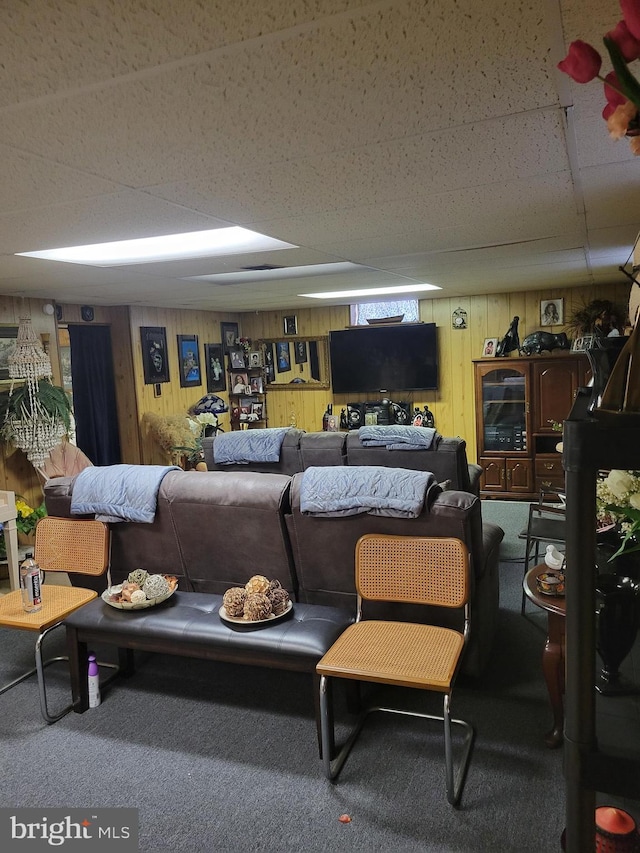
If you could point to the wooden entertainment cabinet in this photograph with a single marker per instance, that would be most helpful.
(517, 400)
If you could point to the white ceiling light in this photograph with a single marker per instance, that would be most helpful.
(372, 291)
(167, 247)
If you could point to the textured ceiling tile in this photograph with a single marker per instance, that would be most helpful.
(119, 216)
(52, 45)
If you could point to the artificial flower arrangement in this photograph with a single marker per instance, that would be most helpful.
(618, 502)
(197, 426)
(27, 518)
(621, 88)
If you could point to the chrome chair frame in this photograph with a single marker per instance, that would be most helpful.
(546, 523)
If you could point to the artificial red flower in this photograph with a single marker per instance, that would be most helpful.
(631, 15)
(612, 90)
(628, 44)
(608, 111)
(582, 63)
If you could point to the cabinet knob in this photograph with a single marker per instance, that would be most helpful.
(546, 484)
(549, 466)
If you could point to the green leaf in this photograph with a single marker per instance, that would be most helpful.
(629, 86)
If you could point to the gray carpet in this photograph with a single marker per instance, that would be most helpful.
(219, 759)
(512, 517)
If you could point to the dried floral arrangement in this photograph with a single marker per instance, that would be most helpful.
(169, 432)
(597, 317)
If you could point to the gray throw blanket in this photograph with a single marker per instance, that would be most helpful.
(355, 489)
(248, 445)
(397, 437)
(119, 492)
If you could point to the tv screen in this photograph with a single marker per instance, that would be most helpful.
(403, 357)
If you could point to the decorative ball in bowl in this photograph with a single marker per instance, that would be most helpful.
(551, 583)
(140, 590)
(259, 600)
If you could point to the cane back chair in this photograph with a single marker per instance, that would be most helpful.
(409, 569)
(62, 545)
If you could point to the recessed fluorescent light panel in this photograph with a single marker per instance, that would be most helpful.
(270, 275)
(372, 291)
(168, 247)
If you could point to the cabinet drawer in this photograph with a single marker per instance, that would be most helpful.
(549, 466)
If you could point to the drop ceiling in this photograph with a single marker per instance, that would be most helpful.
(417, 141)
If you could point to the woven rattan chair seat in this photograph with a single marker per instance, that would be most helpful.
(399, 653)
(57, 602)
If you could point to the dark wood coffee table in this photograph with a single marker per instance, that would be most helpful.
(553, 654)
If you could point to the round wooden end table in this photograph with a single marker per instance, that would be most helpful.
(553, 654)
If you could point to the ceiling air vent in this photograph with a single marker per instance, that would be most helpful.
(259, 267)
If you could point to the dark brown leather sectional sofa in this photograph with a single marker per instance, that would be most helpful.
(446, 458)
(215, 529)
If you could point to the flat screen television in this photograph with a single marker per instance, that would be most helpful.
(402, 357)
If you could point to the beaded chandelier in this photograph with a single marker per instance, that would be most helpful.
(36, 431)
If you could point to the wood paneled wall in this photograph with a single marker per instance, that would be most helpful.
(452, 405)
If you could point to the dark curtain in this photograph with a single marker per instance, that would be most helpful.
(94, 397)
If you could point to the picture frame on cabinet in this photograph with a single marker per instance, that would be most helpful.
(236, 359)
(255, 358)
(257, 409)
(155, 363)
(583, 343)
(257, 385)
(239, 383)
(189, 360)
(489, 347)
(214, 366)
(228, 335)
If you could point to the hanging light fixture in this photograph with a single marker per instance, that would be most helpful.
(38, 412)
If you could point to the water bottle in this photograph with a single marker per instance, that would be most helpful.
(94, 682)
(30, 585)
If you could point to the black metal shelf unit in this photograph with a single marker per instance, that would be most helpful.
(590, 443)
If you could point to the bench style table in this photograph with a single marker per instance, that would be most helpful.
(188, 624)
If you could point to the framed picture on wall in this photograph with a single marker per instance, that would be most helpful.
(237, 360)
(300, 352)
(154, 354)
(214, 366)
(189, 361)
(269, 363)
(551, 312)
(291, 325)
(229, 334)
(283, 357)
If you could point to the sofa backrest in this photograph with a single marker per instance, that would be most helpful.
(446, 459)
(213, 530)
(324, 548)
(290, 456)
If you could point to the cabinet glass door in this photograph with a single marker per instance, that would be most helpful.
(504, 410)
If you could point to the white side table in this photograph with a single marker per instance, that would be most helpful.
(8, 514)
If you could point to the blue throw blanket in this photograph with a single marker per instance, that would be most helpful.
(355, 489)
(397, 437)
(119, 492)
(248, 445)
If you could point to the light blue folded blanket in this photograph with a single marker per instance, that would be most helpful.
(119, 492)
(355, 489)
(396, 437)
(248, 445)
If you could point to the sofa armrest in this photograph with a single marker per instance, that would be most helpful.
(475, 472)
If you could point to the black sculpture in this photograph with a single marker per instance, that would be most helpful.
(511, 340)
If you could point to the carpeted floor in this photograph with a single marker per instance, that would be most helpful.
(512, 517)
(219, 759)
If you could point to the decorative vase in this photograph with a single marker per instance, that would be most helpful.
(617, 626)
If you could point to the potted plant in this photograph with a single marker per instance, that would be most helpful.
(35, 416)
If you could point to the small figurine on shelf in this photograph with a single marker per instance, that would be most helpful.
(343, 419)
(417, 417)
(511, 340)
(427, 418)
